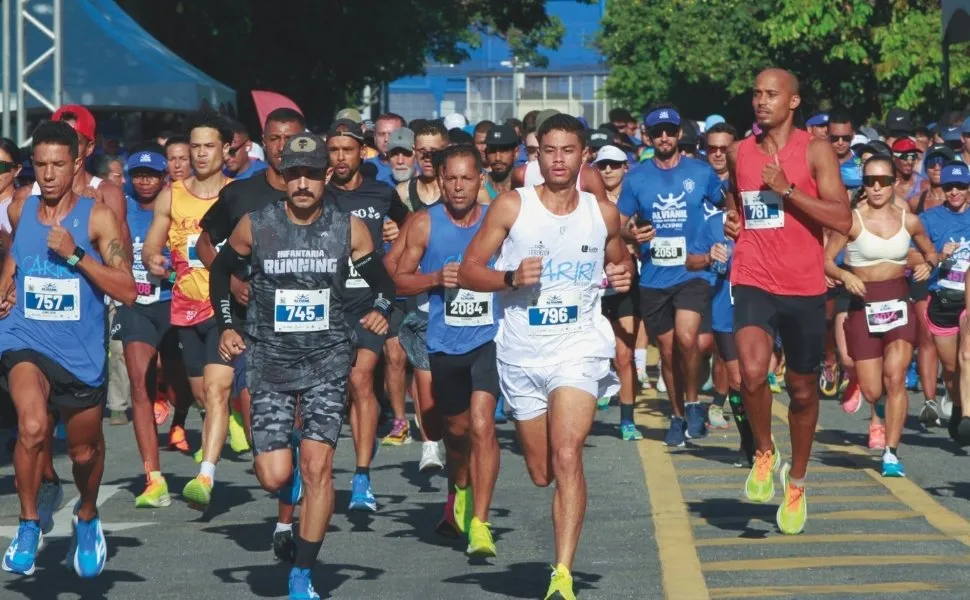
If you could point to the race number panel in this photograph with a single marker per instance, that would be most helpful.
(464, 308)
(886, 316)
(52, 299)
(669, 251)
(301, 311)
(763, 209)
(555, 312)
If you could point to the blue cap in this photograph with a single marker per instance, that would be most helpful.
(662, 115)
(966, 126)
(951, 133)
(955, 173)
(819, 120)
(147, 160)
(712, 120)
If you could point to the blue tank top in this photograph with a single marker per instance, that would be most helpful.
(151, 289)
(59, 313)
(458, 320)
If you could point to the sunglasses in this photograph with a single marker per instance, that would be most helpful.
(716, 149)
(840, 138)
(955, 145)
(234, 151)
(609, 164)
(532, 149)
(882, 180)
(7, 167)
(907, 156)
(955, 186)
(935, 161)
(657, 131)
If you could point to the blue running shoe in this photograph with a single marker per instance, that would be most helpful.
(49, 499)
(60, 432)
(292, 491)
(92, 550)
(301, 586)
(891, 466)
(696, 414)
(629, 432)
(21, 555)
(500, 411)
(677, 434)
(912, 376)
(361, 495)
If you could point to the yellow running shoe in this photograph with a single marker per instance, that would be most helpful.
(561, 586)
(198, 492)
(197, 457)
(400, 434)
(155, 494)
(793, 511)
(463, 508)
(760, 485)
(237, 433)
(480, 542)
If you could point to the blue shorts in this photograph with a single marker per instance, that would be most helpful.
(239, 375)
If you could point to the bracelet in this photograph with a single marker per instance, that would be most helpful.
(789, 192)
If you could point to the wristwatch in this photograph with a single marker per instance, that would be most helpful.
(510, 280)
(789, 192)
(76, 256)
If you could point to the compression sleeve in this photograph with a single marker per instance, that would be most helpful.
(371, 268)
(228, 261)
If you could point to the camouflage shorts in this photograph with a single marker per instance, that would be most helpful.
(322, 410)
(413, 337)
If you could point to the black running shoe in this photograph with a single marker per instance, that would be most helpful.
(284, 546)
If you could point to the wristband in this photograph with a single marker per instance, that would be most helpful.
(171, 277)
(510, 280)
(76, 256)
(789, 192)
(382, 305)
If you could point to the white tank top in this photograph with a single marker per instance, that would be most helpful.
(559, 319)
(870, 249)
(533, 177)
(4, 217)
(95, 183)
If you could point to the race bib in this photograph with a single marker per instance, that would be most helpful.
(669, 252)
(763, 209)
(354, 280)
(464, 308)
(302, 311)
(52, 299)
(886, 316)
(555, 313)
(955, 278)
(147, 286)
(192, 253)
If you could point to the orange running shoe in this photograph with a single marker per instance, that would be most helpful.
(162, 410)
(176, 439)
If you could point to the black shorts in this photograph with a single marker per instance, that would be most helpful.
(367, 340)
(399, 310)
(944, 309)
(146, 323)
(617, 306)
(322, 410)
(455, 377)
(727, 349)
(658, 306)
(841, 296)
(67, 391)
(800, 321)
(200, 347)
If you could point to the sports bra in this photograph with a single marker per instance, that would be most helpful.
(870, 249)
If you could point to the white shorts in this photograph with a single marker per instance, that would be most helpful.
(526, 389)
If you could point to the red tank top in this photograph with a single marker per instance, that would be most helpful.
(779, 248)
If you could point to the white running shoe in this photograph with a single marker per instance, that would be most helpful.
(946, 406)
(661, 386)
(430, 457)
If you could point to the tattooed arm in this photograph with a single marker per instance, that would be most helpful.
(113, 277)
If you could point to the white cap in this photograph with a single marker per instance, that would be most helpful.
(858, 139)
(256, 151)
(611, 153)
(455, 120)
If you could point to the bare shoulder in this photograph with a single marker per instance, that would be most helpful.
(820, 152)
(505, 208)
(913, 224)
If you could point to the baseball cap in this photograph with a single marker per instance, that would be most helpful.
(951, 133)
(876, 147)
(858, 140)
(305, 150)
(905, 145)
(955, 173)
(256, 152)
(350, 114)
(869, 132)
(455, 121)
(965, 128)
(598, 138)
(662, 115)
(84, 120)
(941, 150)
(713, 120)
(347, 128)
(898, 119)
(501, 136)
(818, 120)
(610, 153)
(543, 115)
(401, 138)
(147, 160)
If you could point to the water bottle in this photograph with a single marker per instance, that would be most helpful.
(720, 266)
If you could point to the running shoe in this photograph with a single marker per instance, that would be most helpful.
(929, 415)
(294, 489)
(161, 409)
(891, 465)
(361, 495)
(773, 384)
(630, 433)
(91, 549)
(198, 492)
(237, 433)
(715, 416)
(696, 413)
(877, 437)
(176, 439)
(118, 417)
(430, 457)
(946, 406)
(198, 456)
(843, 385)
(400, 434)
(560, 585)
(284, 546)
(480, 542)
(828, 382)
(49, 500)
(661, 384)
(500, 412)
(60, 432)
(760, 485)
(464, 508)
(743, 461)
(793, 511)
(603, 403)
(155, 494)
(953, 427)
(912, 376)
(852, 398)
(677, 434)
(21, 554)
(446, 527)
(301, 585)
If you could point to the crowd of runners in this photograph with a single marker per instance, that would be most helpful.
(487, 272)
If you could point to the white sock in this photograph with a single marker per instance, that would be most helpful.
(797, 482)
(640, 358)
(283, 527)
(208, 469)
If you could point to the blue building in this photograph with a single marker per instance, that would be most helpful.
(491, 85)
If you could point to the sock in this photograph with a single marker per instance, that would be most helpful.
(208, 469)
(365, 471)
(640, 358)
(892, 451)
(797, 482)
(155, 474)
(450, 504)
(626, 413)
(719, 399)
(306, 553)
(283, 527)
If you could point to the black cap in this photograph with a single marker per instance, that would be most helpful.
(600, 137)
(305, 150)
(899, 120)
(501, 136)
(941, 150)
(459, 136)
(347, 128)
(876, 147)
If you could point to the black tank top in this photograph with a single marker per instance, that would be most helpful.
(296, 333)
(415, 200)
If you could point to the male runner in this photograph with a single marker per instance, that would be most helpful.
(238, 163)
(423, 189)
(479, 136)
(789, 188)
(461, 329)
(553, 346)
(371, 201)
(501, 146)
(384, 127)
(177, 157)
(297, 340)
(67, 253)
(177, 223)
(400, 155)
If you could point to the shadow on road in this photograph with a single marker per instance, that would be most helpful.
(522, 580)
(270, 581)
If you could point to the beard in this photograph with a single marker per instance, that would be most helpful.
(401, 174)
(664, 154)
(500, 176)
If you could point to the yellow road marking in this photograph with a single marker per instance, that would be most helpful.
(816, 485)
(836, 515)
(822, 538)
(813, 562)
(869, 590)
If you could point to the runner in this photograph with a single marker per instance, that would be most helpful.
(177, 224)
(553, 346)
(461, 329)
(384, 128)
(68, 253)
(400, 155)
(880, 329)
(909, 183)
(177, 157)
(480, 134)
(298, 344)
(501, 146)
(429, 139)
(238, 165)
(789, 187)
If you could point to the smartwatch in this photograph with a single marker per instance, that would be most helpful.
(76, 257)
(510, 280)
